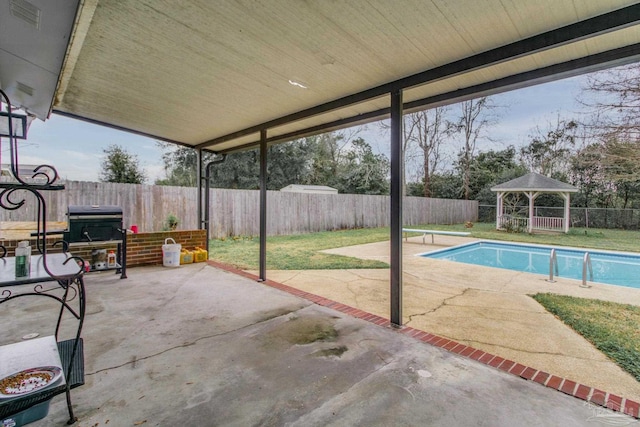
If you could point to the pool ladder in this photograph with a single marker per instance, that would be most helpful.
(586, 262)
(553, 265)
(586, 266)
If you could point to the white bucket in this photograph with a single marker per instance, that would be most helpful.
(171, 253)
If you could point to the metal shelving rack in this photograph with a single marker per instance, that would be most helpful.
(62, 268)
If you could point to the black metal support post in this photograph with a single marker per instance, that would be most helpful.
(207, 193)
(263, 205)
(396, 207)
(199, 180)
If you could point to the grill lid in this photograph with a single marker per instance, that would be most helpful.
(94, 210)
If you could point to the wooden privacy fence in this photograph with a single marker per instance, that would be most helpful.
(236, 212)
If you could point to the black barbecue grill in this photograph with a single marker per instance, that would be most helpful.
(95, 225)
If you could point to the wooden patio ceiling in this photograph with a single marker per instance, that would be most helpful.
(214, 74)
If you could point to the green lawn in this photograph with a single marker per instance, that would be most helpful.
(301, 251)
(611, 327)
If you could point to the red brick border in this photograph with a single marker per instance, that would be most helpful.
(580, 391)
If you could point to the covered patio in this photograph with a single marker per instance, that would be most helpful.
(199, 346)
(229, 76)
(533, 185)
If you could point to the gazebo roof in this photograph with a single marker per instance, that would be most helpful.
(535, 182)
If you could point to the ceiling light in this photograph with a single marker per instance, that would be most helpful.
(297, 84)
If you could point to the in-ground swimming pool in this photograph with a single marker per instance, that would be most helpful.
(614, 268)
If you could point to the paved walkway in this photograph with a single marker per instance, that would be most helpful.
(485, 308)
(197, 346)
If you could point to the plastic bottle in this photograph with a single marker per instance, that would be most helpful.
(111, 260)
(23, 259)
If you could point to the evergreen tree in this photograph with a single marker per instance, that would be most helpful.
(121, 166)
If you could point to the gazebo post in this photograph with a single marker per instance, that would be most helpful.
(532, 198)
(499, 210)
(529, 195)
(567, 211)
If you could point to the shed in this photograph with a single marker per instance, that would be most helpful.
(532, 185)
(315, 189)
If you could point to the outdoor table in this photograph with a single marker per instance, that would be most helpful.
(55, 263)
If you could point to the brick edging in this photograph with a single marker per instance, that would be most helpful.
(564, 385)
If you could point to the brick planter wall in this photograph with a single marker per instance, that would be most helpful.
(12, 244)
(142, 248)
(146, 248)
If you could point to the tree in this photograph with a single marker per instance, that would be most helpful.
(613, 96)
(587, 173)
(363, 171)
(331, 159)
(428, 130)
(550, 150)
(409, 149)
(341, 161)
(476, 115)
(621, 163)
(121, 166)
(180, 165)
(326, 152)
(287, 163)
(240, 171)
(491, 168)
(446, 185)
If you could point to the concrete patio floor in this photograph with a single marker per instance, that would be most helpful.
(198, 346)
(485, 308)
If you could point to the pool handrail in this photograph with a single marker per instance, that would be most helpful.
(553, 262)
(586, 261)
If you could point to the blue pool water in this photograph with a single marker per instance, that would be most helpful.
(608, 267)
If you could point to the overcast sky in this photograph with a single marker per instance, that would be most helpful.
(75, 147)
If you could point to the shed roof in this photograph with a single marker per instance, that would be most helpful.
(300, 188)
(214, 74)
(535, 182)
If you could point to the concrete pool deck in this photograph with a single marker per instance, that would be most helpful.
(485, 308)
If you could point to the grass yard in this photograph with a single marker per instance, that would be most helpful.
(611, 327)
(298, 252)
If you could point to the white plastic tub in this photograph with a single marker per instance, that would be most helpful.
(171, 253)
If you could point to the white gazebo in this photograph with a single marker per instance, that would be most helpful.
(532, 185)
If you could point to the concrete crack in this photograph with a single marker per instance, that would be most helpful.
(291, 278)
(472, 343)
(355, 295)
(442, 304)
(134, 360)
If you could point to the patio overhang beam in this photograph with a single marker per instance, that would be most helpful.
(124, 129)
(588, 64)
(602, 24)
